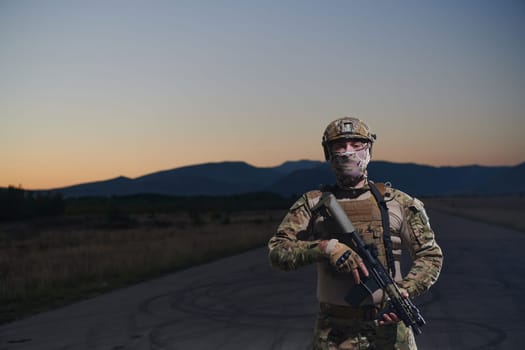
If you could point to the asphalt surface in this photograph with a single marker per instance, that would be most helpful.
(241, 303)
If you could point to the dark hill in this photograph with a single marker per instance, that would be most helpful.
(294, 178)
(421, 180)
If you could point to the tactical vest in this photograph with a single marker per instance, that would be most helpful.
(366, 218)
(365, 215)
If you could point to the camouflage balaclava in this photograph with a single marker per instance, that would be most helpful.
(349, 166)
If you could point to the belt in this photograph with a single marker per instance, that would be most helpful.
(363, 313)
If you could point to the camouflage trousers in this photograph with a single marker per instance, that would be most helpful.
(336, 333)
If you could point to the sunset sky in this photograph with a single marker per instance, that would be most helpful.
(90, 90)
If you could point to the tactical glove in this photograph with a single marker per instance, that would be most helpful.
(342, 257)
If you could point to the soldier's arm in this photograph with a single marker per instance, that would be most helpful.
(420, 241)
(286, 250)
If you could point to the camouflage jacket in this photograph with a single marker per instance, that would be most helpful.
(296, 242)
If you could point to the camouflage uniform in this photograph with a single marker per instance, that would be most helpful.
(340, 326)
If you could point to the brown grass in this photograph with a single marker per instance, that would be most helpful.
(45, 264)
(52, 262)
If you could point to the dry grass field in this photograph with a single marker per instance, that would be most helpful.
(46, 263)
(507, 211)
(49, 262)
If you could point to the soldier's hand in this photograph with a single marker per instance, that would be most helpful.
(392, 317)
(389, 318)
(344, 259)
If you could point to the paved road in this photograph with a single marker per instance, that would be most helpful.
(240, 303)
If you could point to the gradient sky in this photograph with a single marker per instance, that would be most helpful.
(90, 90)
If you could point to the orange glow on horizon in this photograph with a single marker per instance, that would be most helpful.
(71, 173)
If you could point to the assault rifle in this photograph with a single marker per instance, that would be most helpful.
(378, 276)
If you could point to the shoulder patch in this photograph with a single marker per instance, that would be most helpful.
(419, 209)
(417, 205)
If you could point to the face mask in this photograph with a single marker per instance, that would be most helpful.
(350, 167)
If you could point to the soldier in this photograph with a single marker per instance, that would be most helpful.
(303, 238)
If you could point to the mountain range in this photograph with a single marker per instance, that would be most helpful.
(292, 178)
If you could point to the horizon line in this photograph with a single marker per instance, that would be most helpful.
(255, 166)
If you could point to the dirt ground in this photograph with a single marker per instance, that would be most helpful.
(505, 211)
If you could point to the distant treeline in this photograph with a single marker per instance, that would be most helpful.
(155, 203)
(19, 204)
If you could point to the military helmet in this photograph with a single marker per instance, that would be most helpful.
(346, 128)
